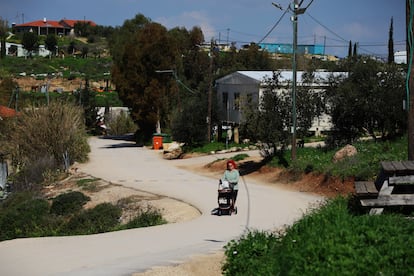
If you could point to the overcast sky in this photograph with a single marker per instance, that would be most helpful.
(330, 22)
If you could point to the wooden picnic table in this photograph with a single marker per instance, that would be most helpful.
(394, 186)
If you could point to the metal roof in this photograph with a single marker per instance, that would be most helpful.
(287, 75)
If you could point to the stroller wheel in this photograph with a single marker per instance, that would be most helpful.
(235, 210)
(218, 212)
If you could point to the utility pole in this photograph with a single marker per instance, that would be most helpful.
(410, 96)
(210, 93)
(295, 46)
(296, 11)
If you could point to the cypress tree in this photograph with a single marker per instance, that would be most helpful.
(350, 49)
(355, 54)
(391, 43)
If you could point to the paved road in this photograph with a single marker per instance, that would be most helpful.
(125, 252)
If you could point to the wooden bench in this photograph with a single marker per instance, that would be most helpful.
(365, 189)
(394, 186)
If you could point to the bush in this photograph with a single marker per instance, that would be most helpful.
(146, 218)
(33, 173)
(68, 203)
(121, 124)
(51, 133)
(240, 157)
(103, 218)
(250, 255)
(25, 216)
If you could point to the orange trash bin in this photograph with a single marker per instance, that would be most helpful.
(157, 142)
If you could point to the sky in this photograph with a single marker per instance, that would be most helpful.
(332, 23)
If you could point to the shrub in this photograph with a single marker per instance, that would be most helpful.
(239, 157)
(121, 124)
(33, 173)
(146, 218)
(50, 130)
(51, 133)
(68, 203)
(250, 255)
(103, 218)
(25, 216)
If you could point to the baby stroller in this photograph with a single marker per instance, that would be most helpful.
(225, 199)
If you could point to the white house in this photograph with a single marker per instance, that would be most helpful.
(400, 57)
(14, 49)
(240, 86)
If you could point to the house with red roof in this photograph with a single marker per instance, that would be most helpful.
(45, 27)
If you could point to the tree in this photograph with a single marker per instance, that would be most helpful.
(272, 120)
(368, 101)
(391, 43)
(51, 43)
(350, 49)
(86, 98)
(30, 42)
(252, 58)
(3, 36)
(187, 125)
(83, 29)
(145, 51)
(309, 103)
(122, 35)
(355, 52)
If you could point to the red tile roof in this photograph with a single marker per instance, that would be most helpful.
(55, 24)
(41, 23)
(6, 112)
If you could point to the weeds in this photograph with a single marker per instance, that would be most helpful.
(88, 184)
(363, 166)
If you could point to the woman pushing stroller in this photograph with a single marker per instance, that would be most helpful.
(232, 175)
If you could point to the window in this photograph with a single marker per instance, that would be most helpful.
(236, 105)
(225, 100)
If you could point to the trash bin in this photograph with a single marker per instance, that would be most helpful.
(166, 138)
(156, 142)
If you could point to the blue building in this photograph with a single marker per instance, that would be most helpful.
(284, 48)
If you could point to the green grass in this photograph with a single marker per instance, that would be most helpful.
(38, 98)
(88, 184)
(328, 241)
(214, 146)
(364, 166)
(338, 238)
(70, 67)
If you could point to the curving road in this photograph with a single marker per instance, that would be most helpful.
(125, 252)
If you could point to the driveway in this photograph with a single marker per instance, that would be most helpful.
(125, 252)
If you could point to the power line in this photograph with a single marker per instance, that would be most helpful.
(332, 32)
(274, 26)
